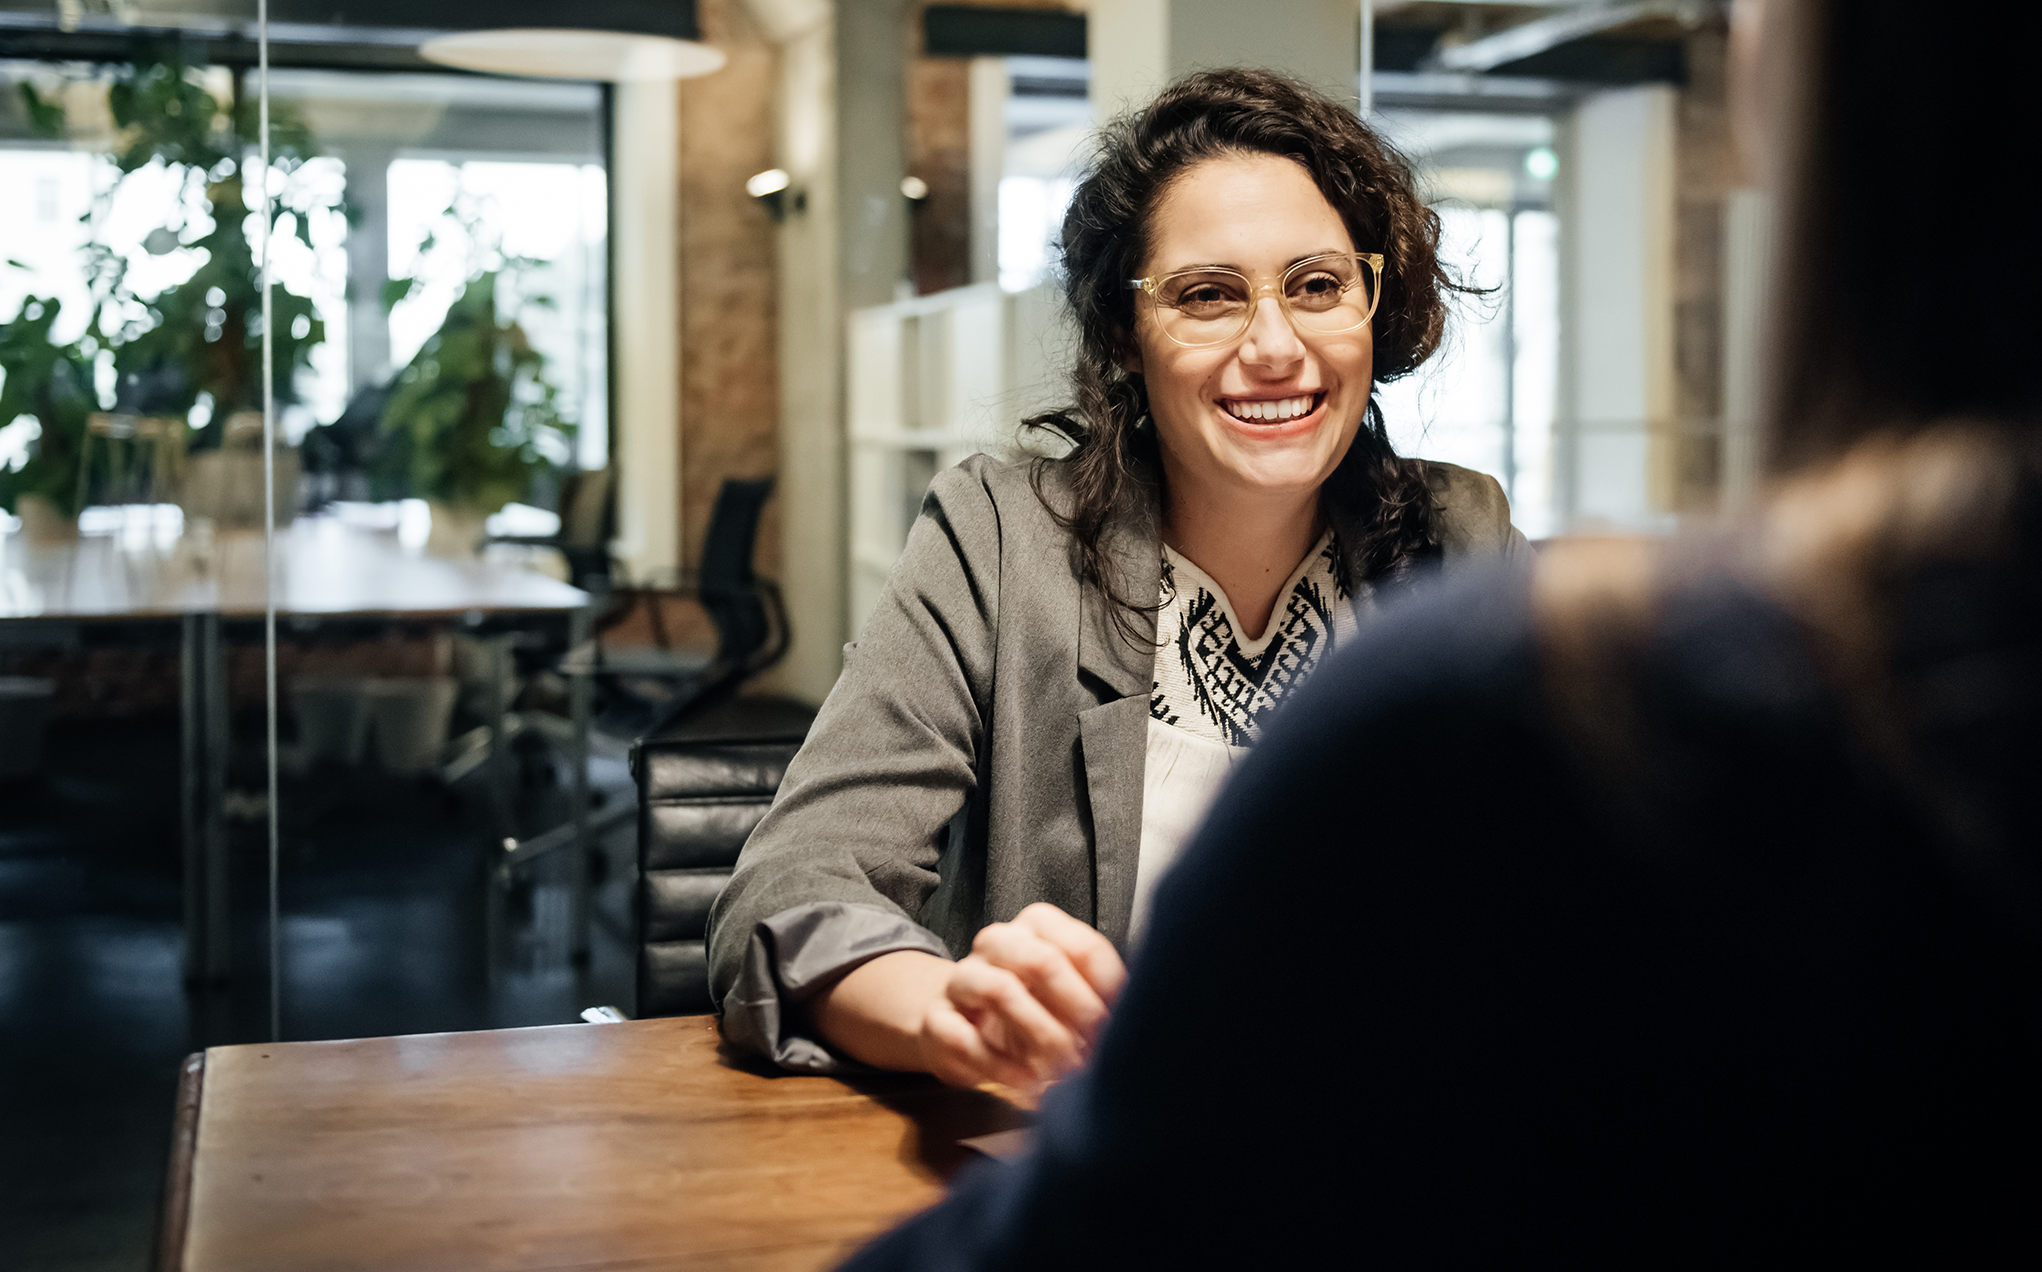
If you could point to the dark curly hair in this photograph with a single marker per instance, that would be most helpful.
(1378, 504)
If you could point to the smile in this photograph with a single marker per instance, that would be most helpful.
(1271, 410)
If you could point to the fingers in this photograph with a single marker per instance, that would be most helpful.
(1047, 974)
(1091, 953)
(1025, 1008)
(957, 1053)
(1013, 1020)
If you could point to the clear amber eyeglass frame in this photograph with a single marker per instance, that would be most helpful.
(1154, 288)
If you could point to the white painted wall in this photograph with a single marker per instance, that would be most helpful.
(1747, 264)
(989, 87)
(1617, 427)
(843, 243)
(645, 180)
(811, 485)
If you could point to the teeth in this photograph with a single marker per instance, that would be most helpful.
(1281, 409)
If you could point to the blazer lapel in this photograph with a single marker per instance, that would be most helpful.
(1114, 735)
(1115, 739)
(1125, 663)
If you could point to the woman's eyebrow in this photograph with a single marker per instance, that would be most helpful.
(1192, 269)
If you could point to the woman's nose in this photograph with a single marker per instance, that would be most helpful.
(1271, 343)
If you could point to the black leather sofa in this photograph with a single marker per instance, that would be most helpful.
(702, 786)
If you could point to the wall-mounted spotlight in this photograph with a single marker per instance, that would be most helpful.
(770, 188)
(914, 188)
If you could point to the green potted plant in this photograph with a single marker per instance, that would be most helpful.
(190, 355)
(472, 419)
(46, 394)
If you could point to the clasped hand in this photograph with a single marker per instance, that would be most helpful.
(1026, 1006)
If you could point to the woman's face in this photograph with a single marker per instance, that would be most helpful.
(1273, 411)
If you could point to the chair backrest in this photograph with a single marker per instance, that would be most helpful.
(587, 512)
(702, 787)
(727, 587)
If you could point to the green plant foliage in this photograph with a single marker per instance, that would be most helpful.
(46, 118)
(472, 418)
(209, 327)
(52, 384)
(198, 339)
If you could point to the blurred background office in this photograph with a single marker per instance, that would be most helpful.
(594, 319)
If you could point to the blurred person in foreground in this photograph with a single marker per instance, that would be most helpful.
(1703, 919)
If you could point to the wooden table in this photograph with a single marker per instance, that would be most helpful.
(324, 569)
(573, 1146)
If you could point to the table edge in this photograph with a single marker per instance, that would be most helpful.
(175, 1219)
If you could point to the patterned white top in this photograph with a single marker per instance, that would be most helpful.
(1213, 691)
(1210, 680)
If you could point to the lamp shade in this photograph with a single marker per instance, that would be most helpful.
(617, 56)
(615, 40)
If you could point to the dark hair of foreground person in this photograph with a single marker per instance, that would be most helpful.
(1704, 918)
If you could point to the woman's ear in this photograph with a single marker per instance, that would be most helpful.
(1130, 358)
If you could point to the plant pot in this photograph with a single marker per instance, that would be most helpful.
(409, 716)
(456, 532)
(333, 718)
(24, 705)
(225, 487)
(41, 522)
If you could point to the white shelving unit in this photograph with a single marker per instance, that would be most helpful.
(933, 380)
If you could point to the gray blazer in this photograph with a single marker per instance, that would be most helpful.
(983, 750)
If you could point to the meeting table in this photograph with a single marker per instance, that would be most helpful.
(643, 1144)
(324, 569)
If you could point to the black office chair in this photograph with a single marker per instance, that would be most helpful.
(645, 691)
(658, 690)
(703, 784)
(588, 521)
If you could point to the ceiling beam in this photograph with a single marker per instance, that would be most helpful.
(1514, 44)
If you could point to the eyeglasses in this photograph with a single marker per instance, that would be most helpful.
(1321, 295)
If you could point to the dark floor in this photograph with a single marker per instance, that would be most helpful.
(383, 932)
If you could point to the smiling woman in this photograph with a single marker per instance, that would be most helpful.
(1072, 654)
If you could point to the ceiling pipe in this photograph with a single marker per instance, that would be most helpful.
(1514, 44)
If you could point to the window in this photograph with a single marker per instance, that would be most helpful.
(1486, 400)
(422, 178)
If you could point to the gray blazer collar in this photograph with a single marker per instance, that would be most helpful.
(1106, 649)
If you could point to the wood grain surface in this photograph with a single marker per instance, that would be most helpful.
(634, 1146)
(323, 567)
(184, 1131)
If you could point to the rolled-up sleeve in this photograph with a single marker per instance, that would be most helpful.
(794, 955)
(848, 855)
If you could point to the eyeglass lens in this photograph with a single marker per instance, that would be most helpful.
(1327, 294)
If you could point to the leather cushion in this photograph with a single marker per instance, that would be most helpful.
(677, 903)
(693, 835)
(673, 979)
(683, 770)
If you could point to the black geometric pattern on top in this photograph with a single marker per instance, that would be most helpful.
(1211, 683)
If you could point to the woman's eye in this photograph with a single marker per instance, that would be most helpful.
(1316, 289)
(1206, 296)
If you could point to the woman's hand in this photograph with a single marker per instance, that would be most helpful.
(1023, 1009)
(1026, 1006)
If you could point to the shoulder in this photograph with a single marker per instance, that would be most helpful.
(1008, 500)
(1005, 482)
(1473, 514)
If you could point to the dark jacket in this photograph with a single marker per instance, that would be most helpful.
(1700, 978)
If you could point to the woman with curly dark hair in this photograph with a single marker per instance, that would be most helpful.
(1072, 653)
